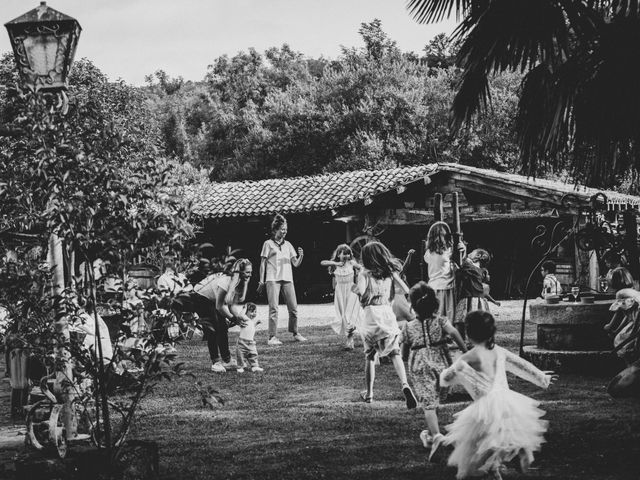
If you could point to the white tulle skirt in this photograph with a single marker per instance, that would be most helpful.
(494, 429)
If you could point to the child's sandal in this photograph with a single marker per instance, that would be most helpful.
(366, 398)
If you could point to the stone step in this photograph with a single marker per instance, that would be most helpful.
(585, 362)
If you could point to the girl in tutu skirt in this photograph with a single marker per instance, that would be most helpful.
(500, 424)
(348, 311)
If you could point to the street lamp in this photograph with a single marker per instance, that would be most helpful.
(44, 43)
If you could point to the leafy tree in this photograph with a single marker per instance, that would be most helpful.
(281, 114)
(440, 52)
(91, 178)
(377, 43)
(167, 85)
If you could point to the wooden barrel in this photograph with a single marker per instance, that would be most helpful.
(144, 275)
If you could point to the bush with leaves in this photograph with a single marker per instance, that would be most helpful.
(90, 177)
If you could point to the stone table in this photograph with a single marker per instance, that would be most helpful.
(570, 337)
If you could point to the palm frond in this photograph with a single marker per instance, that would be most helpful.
(431, 11)
(510, 35)
(473, 95)
(544, 124)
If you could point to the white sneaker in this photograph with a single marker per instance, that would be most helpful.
(240, 370)
(257, 369)
(230, 365)
(274, 341)
(218, 367)
(299, 338)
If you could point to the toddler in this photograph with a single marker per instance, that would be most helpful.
(246, 351)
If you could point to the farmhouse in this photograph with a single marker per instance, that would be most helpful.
(500, 212)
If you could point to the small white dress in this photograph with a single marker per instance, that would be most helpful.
(379, 331)
(346, 302)
(500, 423)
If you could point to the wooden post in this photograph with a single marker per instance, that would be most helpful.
(349, 232)
(594, 271)
(438, 213)
(64, 374)
(457, 232)
(56, 262)
(631, 242)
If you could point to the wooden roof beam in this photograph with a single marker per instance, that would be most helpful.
(516, 194)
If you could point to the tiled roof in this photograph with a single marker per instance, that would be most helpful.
(299, 194)
(330, 191)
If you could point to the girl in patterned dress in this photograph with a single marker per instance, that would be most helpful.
(348, 311)
(424, 345)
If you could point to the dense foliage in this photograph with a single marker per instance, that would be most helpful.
(282, 114)
(94, 176)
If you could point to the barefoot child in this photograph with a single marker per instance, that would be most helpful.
(500, 424)
(380, 330)
(246, 351)
(348, 311)
(424, 344)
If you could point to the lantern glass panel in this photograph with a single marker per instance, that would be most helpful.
(41, 51)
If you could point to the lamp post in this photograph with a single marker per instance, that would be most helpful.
(44, 43)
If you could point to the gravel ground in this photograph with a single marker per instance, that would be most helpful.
(314, 315)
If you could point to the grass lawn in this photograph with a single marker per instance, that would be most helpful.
(302, 418)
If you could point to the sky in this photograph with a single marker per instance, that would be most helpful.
(129, 39)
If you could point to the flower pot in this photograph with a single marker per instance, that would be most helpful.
(409, 204)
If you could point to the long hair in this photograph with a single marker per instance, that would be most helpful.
(277, 223)
(481, 256)
(619, 278)
(238, 286)
(379, 261)
(481, 327)
(342, 248)
(439, 238)
(423, 300)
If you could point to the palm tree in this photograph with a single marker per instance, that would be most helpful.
(580, 97)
